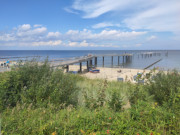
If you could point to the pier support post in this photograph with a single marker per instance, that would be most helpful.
(112, 61)
(90, 63)
(95, 61)
(118, 60)
(67, 68)
(103, 61)
(88, 66)
(80, 67)
(123, 59)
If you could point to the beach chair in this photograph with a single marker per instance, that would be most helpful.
(94, 70)
(120, 79)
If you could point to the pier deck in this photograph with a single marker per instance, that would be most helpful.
(71, 61)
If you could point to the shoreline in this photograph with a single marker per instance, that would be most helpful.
(108, 73)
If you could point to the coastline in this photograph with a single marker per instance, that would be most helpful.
(107, 73)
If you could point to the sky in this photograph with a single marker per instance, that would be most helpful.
(89, 24)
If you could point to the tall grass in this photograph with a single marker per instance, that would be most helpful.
(36, 99)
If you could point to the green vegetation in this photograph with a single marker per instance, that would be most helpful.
(36, 99)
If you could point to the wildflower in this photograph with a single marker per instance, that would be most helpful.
(54, 133)
(108, 132)
(137, 134)
(151, 133)
(156, 103)
(82, 131)
(110, 118)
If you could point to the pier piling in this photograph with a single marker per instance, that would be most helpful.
(90, 63)
(103, 61)
(67, 68)
(95, 61)
(87, 66)
(80, 67)
(118, 60)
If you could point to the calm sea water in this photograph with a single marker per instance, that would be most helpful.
(168, 62)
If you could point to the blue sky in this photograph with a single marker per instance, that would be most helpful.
(89, 24)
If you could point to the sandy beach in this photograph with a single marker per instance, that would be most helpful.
(111, 74)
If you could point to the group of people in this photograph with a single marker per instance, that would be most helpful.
(5, 64)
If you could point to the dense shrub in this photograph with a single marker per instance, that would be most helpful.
(116, 101)
(37, 84)
(165, 87)
(142, 118)
(138, 92)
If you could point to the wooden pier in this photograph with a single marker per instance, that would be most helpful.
(89, 60)
(149, 54)
(92, 60)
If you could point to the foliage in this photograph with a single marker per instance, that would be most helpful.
(165, 87)
(37, 84)
(36, 99)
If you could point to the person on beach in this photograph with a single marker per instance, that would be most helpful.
(7, 63)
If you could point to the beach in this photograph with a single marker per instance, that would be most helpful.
(110, 74)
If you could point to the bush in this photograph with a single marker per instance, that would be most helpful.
(137, 92)
(38, 84)
(165, 87)
(116, 102)
(142, 118)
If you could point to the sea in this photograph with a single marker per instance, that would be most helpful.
(170, 59)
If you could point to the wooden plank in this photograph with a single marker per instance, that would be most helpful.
(152, 64)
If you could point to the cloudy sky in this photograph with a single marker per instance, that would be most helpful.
(89, 24)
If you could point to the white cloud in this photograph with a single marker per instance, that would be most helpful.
(105, 24)
(151, 38)
(39, 30)
(92, 8)
(165, 16)
(37, 25)
(154, 15)
(28, 36)
(130, 46)
(40, 36)
(24, 27)
(79, 44)
(21, 32)
(7, 37)
(104, 35)
(47, 43)
(138, 45)
(86, 44)
(70, 10)
(54, 34)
